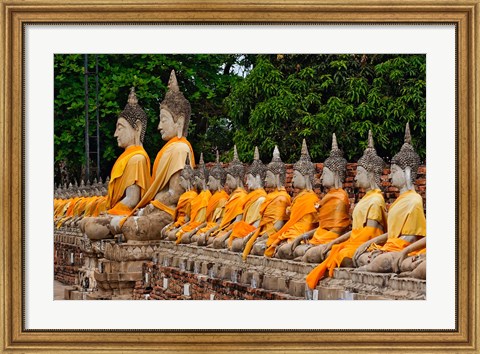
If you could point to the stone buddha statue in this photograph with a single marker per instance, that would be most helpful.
(182, 211)
(406, 218)
(333, 211)
(216, 204)
(233, 210)
(130, 176)
(198, 205)
(369, 218)
(251, 211)
(157, 207)
(302, 213)
(273, 210)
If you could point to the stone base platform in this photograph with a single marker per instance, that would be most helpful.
(164, 270)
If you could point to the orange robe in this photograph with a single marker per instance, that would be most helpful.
(132, 167)
(272, 210)
(215, 210)
(182, 209)
(233, 208)
(405, 217)
(251, 214)
(69, 212)
(333, 213)
(171, 158)
(198, 213)
(370, 207)
(303, 218)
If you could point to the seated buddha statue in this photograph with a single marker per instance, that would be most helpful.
(251, 211)
(406, 218)
(369, 218)
(233, 210)
(198, 208)
(130, 176)
(216, 204)
(273, 210)
(302, 212)
(182, 211)
(157, 207)
(333, 211)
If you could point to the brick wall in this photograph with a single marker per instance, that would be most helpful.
(65, 270)
(201, 287)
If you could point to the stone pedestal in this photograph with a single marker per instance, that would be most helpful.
(121, 267)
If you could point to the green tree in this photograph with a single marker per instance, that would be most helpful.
(286, 98)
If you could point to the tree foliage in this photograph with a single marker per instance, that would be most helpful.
(286, 98)
(248, 100)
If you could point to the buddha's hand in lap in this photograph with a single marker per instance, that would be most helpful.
(360, 250)
(397, 259)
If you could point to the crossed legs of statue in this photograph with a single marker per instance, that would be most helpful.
(414, 267)
(220, 240)
(97, 228)
(146, 227)
(313, 254)
(238, 245)
(260, 245)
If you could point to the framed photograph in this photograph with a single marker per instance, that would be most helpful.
(36, 31)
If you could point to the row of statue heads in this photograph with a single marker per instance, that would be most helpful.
(88, 189)
(335, 164)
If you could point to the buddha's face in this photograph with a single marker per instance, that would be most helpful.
(124, 133)
(397, 176)
(167, 127)
(199, 181)
(251, 182)
(184, 183)
(213, 183)
(299, 181)
(231, 182)
(270, 180)
(328, 178)
(361, 178)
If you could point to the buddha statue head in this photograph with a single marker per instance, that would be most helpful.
(217, 175)
(404, 165)
(131, 123)
(369, 167)
(187, 175)
(276, 171)
(303, 170)
(201, 174)
(175, 112)
(256, 172)
(334, 167)
(235, 172)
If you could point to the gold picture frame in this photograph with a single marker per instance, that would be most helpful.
(463, 14)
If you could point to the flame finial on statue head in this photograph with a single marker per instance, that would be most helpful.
(133, 113)
(236, 168)
(218, 171)
(257, 168)
(304, 165)
(132, 97)
(173, 83)
(276, 166)
(371, 162)
(407, 157)
(335, 162)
